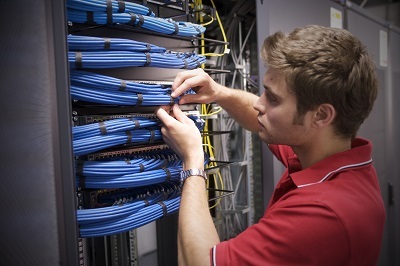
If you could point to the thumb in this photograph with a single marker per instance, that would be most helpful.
(162, 114)
(179, 115)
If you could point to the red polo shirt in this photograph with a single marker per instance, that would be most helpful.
(331, 213)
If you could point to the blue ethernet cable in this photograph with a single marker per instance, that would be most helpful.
(140, 179)
(122, 167)
(160, 25)
(133, 221)
(112, 126)
(113, 6)
(90, 43)
(96, 88)
(117, 59)
(97, 143)
(119, 197)
(86, 216)
(125, 166)
(120, 97)
(85, 79)
(128, 165)
(125, 204)
(88, 140)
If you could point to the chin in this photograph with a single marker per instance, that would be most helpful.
(263, 137)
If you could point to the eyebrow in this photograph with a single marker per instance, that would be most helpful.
(270, 91)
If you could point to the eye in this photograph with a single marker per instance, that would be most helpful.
(271, 98)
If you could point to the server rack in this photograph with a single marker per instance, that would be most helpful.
(125, 248)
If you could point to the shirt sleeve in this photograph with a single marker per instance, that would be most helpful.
(294, 234)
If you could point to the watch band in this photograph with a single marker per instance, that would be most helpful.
(192, 172)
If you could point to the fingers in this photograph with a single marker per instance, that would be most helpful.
(186, 80)
(167, 119)
(162, 114)
(179, 115)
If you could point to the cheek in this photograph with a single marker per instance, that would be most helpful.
(279, 118)
(274, 115)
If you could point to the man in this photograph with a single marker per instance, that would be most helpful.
(327, 208)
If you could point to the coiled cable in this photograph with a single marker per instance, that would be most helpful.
(96, 143)
(155, 24)
(117, 59)
(112, 6)
(89, 43)
(120, 97)
(124, 167)
(87, 80)
(132, 221)
(112, 126)
(140, 179)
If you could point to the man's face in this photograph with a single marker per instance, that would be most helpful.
(277, 113)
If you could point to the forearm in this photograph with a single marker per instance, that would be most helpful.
(196, 233)
(239, 105)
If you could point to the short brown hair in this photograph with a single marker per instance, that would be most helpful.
(326, 65)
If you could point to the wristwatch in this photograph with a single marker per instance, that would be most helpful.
(192, 172)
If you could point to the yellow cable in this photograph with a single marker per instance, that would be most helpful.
(213, 113)
(209, 149)
(206, 108)
(226, 50)
(208, 23)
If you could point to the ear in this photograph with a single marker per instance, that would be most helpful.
(324, 115)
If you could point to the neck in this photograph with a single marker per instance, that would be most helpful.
(319, 149)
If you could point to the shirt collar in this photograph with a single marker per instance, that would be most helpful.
(358, 156)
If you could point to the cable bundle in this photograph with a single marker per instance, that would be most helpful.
(160, 25)
(96, 81)
(107, 14)
(96, 88)
(125, 166)
(116, 59)
(120, 97)
(109, 6)
(97, 143)
(112, 126)
(113, 197)
(98, 136)
(89, 43)
(142, 196)
(132, 221)
(127, 201)
(140, 188)
(140, 179)
(130, 209)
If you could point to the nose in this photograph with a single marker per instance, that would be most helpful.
(258, 106)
